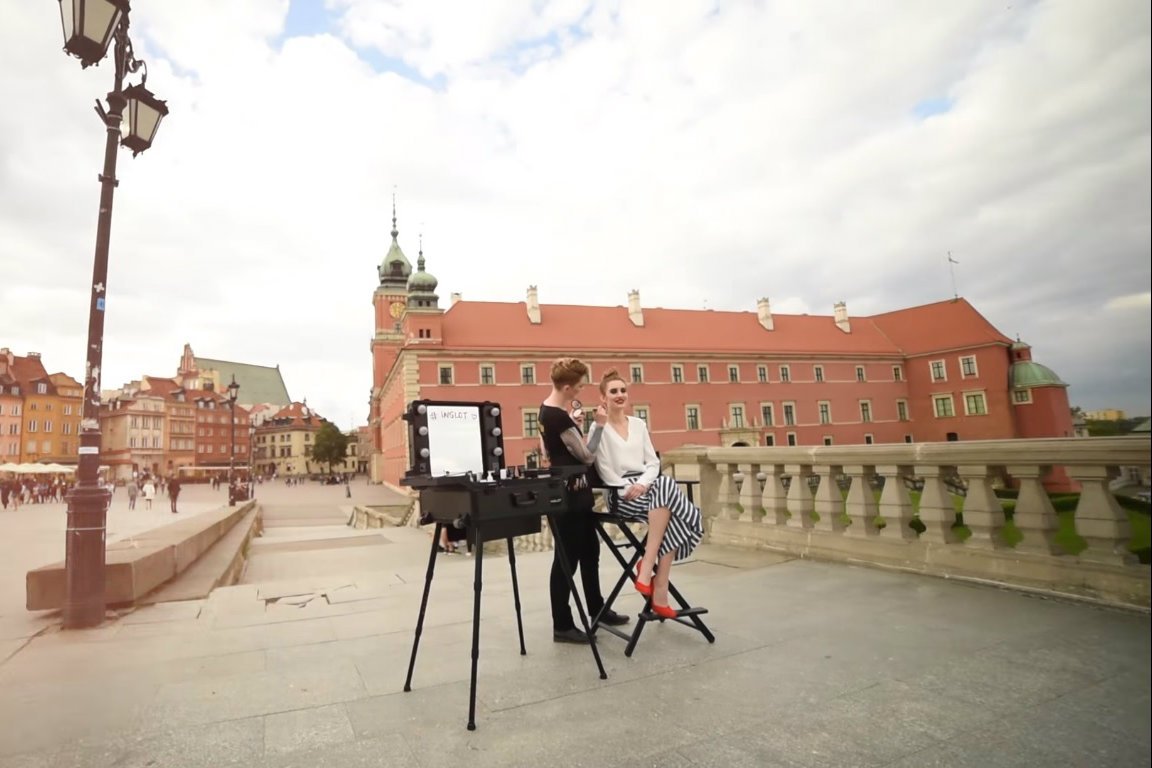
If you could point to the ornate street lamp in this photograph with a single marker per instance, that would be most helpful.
(90, 26)
(233, 393)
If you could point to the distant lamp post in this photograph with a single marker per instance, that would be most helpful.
(90, 26)
(233, 392)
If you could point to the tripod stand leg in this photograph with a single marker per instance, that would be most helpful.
(516, 595)
(476, 587)
(558, 545)
(423, 605)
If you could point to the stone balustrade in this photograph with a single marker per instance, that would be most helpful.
(856, 504)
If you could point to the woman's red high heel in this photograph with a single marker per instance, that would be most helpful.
(665, 611)
(642, 587)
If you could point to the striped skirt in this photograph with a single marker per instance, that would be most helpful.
(685, 528)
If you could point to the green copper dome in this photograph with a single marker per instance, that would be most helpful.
(395, 268)
(422, 281)
(1026, 374)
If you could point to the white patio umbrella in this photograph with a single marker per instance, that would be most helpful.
(9, 467)
(57, 468)
(28, 469)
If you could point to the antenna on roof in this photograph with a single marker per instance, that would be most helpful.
(952, 271)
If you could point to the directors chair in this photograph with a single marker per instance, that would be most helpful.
(628, 553)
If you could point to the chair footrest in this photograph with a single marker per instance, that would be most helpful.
(682, 614)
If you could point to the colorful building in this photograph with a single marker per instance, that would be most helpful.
(930, 373)
(49, 410)
(283, 442)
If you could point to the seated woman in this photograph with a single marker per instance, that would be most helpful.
(626, 458)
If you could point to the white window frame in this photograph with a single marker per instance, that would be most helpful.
(642, 412)
(983, 400)
(636, 373)
(902, 410)
(818, 373)
(440, 368)
(1025, 400)
(788, 406)
(869, 439)
(975, 367)
(737, 410)
(790, 439)
(866, 418)
(705, 369)
(524, 367)
(677, 368)
(828, 440)
(688, 408)
(762, 374)
(490, 367)
(861, 374)
(943, 370)
(824, 411)
(897, 373)
(733, 374)
(937, 399)
(524, 422)
(771, 420)
(785, 374)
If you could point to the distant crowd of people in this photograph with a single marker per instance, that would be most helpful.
(33, 490)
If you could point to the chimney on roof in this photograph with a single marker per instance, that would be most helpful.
(635, 313)
(840, 313)
(764, 313)
(533, 306)
(455, 298)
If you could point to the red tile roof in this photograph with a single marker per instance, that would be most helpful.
(951, 324)
(296, 413)
(494, 325)
(27, 370)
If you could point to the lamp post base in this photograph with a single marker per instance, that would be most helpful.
(85, 542)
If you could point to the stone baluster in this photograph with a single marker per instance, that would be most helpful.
(774, 499)
(983, 512)
(896, 503)
(1034, 517)
(800, 503)
(728, 499)
(750, 493)
(936, 510)
(829, 502)
(1100, 521)
(861, 505)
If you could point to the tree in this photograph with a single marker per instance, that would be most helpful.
(330, 446)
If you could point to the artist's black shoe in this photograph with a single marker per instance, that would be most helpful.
(569, 636)
(611, 618)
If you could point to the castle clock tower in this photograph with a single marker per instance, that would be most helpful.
(390, 301)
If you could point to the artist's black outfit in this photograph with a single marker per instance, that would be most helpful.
(576, 527)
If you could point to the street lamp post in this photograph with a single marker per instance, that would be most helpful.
(233, 392)
(89, 27)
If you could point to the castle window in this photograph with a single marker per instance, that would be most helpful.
(531, 425)
(762, 374)
(968, 367)
(939, 373)
(942, 405)
(902, 410)
(769, 440)
(527, 373)
(637, 374)
(677, 374)
(766, 414)
(791, 438)
(692, 416)
(736, 414)
(897, 373)
(825, 412)
(641, 412)
(785, 374)
(734, 374)
(487, 374)
(789, 415)
(818, 372)
(1021, 396)
(446, 374)
(860, 373)
(974, 404)
(865, 411)
(868, 440)
(702, 374)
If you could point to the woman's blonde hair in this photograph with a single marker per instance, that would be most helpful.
(609, 375)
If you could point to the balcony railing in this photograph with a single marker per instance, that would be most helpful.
(934, 508)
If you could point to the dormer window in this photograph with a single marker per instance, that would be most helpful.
(41, 388)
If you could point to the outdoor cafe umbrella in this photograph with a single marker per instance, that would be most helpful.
(9, 467)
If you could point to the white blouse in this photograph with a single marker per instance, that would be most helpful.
(616, 457)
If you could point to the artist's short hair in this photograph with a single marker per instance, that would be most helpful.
(568, 371)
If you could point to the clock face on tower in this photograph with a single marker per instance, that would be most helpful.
(397, 309)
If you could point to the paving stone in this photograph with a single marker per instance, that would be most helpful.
(306, 729)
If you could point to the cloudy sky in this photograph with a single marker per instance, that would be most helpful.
(708, 153)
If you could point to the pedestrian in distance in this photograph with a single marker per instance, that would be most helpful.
(149, 493)
(133, 492)
(173, 492)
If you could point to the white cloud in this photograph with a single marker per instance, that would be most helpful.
(706, 153)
